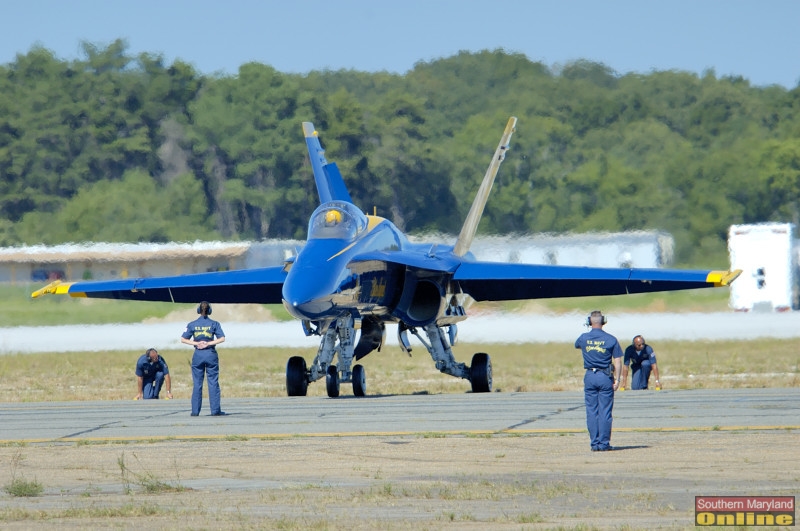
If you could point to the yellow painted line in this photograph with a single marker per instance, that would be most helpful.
(713, 428)
(423, 434)
(372, 222)
(342, 251)
(657, 430)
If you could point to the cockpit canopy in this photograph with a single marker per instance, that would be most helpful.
(336, 219)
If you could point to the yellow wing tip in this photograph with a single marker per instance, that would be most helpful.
(722, 278)
(56, 287)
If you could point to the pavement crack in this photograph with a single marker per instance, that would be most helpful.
(110, 424)
(90, 430)
(541, 417)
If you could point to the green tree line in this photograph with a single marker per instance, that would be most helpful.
(119, 148)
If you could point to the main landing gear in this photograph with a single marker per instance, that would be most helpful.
(438, 345)
(338, 340)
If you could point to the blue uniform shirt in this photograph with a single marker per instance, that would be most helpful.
(635, 359)
(598, 347)
(147, 369)
(203, 329)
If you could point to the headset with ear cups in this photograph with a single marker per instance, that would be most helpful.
(595, 312)
(200, 306)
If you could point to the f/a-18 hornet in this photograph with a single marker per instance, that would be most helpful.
(359, 272)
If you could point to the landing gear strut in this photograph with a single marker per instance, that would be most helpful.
(337, 341)
(479, 375)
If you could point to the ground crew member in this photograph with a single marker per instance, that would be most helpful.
(602, 362)
(641, 359)
(151, 373)
(204, 334)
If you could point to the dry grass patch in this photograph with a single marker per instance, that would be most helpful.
(260, 372)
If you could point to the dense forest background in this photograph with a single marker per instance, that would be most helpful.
(116, 148)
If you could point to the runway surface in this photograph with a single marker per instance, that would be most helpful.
(484, 328)
(730, 409)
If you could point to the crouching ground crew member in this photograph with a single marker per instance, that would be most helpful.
(601, 359)
(641, 359)
(151, 373)
(204, 334)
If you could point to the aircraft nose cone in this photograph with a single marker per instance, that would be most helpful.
(307, 296)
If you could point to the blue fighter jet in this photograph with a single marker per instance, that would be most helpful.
(359, 272)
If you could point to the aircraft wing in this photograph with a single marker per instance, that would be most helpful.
(259, 286)
(490, 281)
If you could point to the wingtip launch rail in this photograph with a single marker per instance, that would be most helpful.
(470, 226)
(57, 287)
(723, 278)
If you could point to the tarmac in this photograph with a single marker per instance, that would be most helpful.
(381, 415)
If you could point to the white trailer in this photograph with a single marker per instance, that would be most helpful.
(765, 254)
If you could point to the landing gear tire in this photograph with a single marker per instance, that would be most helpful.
(481, 373)
(359, 381)
(332, 381)
(296, 381)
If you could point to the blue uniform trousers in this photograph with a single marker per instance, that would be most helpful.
(598, 390)
(205, 363)
(641, 376)
(152, 388)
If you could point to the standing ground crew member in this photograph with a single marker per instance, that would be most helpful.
(204, 334)
(601, 359)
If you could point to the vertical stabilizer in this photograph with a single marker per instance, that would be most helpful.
(330, 185)
(476, 210)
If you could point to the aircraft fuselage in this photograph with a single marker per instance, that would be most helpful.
(341, 285)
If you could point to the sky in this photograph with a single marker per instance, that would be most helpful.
(758, 40)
